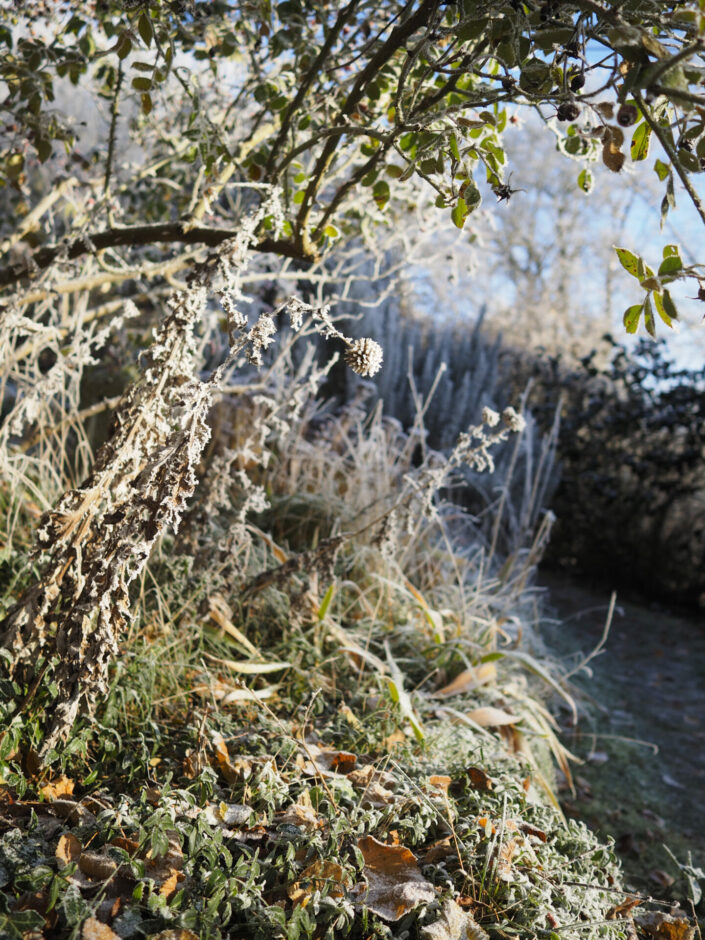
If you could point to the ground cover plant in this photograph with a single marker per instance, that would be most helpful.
(256, 679)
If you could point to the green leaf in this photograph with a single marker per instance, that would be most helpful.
(670, 265)
(146, 100)
(123, 46)
(400, 696)
(585, 181)
(299, 197)
(661, 310)
(145, 28)
(459, 213)
(661, 169)
(668, 305)
(141, 83)
(328, 596)
(628, 260)
(631, 317)
(649, 317)
(640, 142)
(381, 193)
(455, 152)
(670, 251)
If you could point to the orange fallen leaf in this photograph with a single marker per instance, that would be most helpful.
(440, 782)
(665, 926)
(62, 786)
(452, 924)
(94, 929)
(168, 886)
(619, 910)
(395, 884)
(479, 780)
(68, 850)
(320, 875)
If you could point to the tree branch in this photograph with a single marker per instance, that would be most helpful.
(134, 236)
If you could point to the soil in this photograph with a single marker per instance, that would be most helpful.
(642, 732)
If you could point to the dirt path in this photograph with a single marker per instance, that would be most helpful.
(647, 686)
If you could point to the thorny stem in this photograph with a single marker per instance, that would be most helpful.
(111, 142)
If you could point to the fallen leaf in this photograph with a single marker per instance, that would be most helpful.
(440, 782)
(479, 780)
(169, 885)
(469, 679)
(437, 851)
(93, 929)
(68, 850)
(299, 814)
(661, 877)
(321, 874)
(175, 935)
(62, 786)
(507, 852)
(97, 864)
(665, 926)
(490, 717)
(454, 924)
(395, 884)
(533, 831)
(619, 910)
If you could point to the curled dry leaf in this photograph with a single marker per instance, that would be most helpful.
(440, 782)
(469, 679)
(490, 717)
(62, 786)
(454, 924)
(507, 851)
(68, 850)
(320, 875)
(395, 884)
(300, 814)
(97, 865)
(93, 929)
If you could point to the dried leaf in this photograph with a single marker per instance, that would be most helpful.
(395, 884)
(320, 875)
(479, 780)
(62, 786)
(97, 865)
(437, 851)
(665, 926)
(68, 849)
(507, 851)
(95, 930)
(299, 814)
(169, 885)
(454, 924)
(175, 935)
(440, 782)
(619, 910)
(490, 717)
(470, 679)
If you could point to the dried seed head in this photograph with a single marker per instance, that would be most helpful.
(627, 115)
(490, 417)
(513, 420)
(364, 356)
(568, 111)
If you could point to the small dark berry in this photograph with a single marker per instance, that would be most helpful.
(627, 115)
(684, 144)
(568, 111)
(701, 293)
(508, 83)
(577, 82)
(572, 49)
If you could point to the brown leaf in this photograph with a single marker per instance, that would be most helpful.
(343, 762)
(68, 849)
(437, 851)
(661, 877)
(395, 884)
(299, 814)
(507, 852)
(168, 886)
(222, 760)
(97, 865)
(665, 926)
(619, 910)
(440, 782)
(175, 935)
(479, 780)
(62, 786)
(490, 717)
(469, 679)
(612, 157)
(454, 924)
(533, 831)
(95, 930)
(316, 878)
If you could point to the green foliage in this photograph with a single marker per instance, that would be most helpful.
(331, 103)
